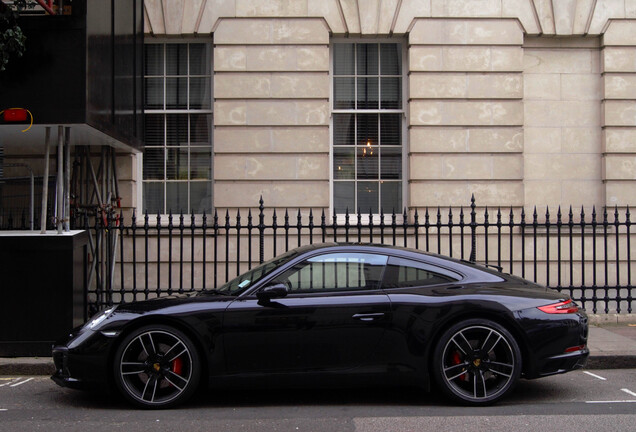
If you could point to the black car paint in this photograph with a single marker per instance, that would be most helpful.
(238, 335)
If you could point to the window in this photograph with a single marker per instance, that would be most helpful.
(337, 271)
(177, 159)
(403, 273)
(367, 125)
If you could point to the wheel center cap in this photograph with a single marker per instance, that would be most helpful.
(156, 367)
(477, 362)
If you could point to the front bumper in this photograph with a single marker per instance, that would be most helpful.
(81, 361)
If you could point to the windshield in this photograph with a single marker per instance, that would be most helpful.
(249, 278)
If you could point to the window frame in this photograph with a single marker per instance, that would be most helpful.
(187, 112)
(341, 217)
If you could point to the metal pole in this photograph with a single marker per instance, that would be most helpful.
(45, 179)
(60, 178)
(32, 204)
(67, 180)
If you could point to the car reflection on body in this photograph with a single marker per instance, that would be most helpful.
(333, 314)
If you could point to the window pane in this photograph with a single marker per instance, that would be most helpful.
(177, 197)
(201, 197)
(154, 59)
(176, 129)
(200, 59)
(391, 165)
(367, 93)
(343, 196)
(200, 93)
(154, 93)
(368, 197)
(176, 93)
(368, 162)
(153, 197)
(343, 129)
(200, 129)
(153, 130)
(153, 163)
(367, 56)
(200, 162)
(391, 93)
(176, 59)
(391, 59)
(343, 163)
(343, 59)
(177, 164)
(343, 93)
(391, 129)
(402, 273)
(367, 129)
(391, 196)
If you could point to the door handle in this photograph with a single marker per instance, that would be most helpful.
(368, 316)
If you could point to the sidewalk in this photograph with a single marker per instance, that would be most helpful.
(612, 346)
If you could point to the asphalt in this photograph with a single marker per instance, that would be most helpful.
(612, 344)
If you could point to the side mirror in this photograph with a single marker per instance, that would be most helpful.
(272, 291)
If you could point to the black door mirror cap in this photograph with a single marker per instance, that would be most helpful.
(272, 291)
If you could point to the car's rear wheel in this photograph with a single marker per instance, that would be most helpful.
(156, 366)
(476, 362)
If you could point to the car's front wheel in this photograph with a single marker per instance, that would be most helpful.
(476, 362)
(156, 366)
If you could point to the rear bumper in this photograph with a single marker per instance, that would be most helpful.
(565, 362)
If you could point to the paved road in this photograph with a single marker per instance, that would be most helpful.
(596, 400)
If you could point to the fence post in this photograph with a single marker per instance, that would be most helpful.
(473, 230)
(261, 231)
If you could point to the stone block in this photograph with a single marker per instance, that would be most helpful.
(619, 113)
(387, 11)
(542, 140)
(270, 8)
(609, 9)
(463, 8)
(583, 87)
(437, 86)
(461, 140)
(495, 86)
(463, 58)
(564, 16)
(213, 10)
(523, 10)
(582, 140)
(271, 167)
(619, 140)
(191, 10)
(248, 31)
(558, 61)
(619, 86)
(279, 113)
(271, 85)
(542, 193)
(230, 58)
(562, 113)
(583, 192)
(465, 167)
(620, 32)
(292, 194)
(458, 193)
(506, 59)
(618, 59)
(424, 58)
(542, 166)
(351, 15)
(541, 86)
(127, 166)
(503, 113)
(267, 139)
(230, 113)
(620, 193)
(619, 167)
(425, 167)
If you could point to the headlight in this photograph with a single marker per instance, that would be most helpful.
(99, 318)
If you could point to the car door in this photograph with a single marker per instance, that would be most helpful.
(333, 317)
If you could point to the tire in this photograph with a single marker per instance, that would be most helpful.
(476, 362)
(156, 366)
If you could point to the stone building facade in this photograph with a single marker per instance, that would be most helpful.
(521, 102)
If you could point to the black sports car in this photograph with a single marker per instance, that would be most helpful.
(333, 314)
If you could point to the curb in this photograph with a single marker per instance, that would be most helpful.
(611, 319)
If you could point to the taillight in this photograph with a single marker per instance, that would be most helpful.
(564, 307)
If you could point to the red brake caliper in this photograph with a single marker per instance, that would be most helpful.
(456, 359)
(177, 366)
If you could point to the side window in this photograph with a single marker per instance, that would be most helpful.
(336, 271)
(403, 273)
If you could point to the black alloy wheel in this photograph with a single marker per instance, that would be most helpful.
(157, 366)
(477, 362)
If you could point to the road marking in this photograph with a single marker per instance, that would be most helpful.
(629, 392)
(614, 401)
(21, 382)
(12, 380)
(595, 376)
(3, 409)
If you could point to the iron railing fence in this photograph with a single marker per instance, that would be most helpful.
(21, 203)
(588, 256)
